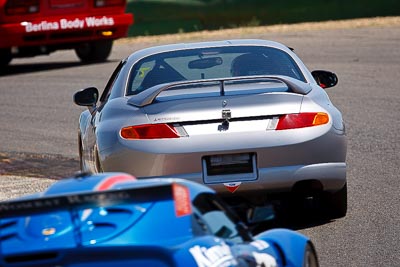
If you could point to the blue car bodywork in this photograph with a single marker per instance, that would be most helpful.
(112, 219)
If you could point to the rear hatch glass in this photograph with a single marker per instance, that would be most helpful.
(211, 63)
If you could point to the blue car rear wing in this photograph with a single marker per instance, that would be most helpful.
(147, 96)
(64, 222)
(86, 200)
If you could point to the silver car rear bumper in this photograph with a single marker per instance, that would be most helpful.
(332, 176)
(314, 157)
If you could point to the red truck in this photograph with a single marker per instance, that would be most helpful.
(39, 27)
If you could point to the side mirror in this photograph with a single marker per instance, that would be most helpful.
(87, 97)
(324, 78)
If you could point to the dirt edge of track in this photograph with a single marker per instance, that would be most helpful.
(37, 165)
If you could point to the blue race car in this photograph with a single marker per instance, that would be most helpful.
(112, 220)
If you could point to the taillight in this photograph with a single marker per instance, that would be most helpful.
(301, 120)
(106, 3)
(150, 131)
(21, 7)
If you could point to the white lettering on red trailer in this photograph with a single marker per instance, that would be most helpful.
(98, 22)
(68, 24)
(72, 24)
(42, 26)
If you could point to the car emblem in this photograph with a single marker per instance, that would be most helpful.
(232, 187)
(48, 231)
(226, 114)
(224, 103)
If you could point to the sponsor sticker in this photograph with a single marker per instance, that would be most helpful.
(264, 260)
(182, 202)
(215, 256)
(260, 244)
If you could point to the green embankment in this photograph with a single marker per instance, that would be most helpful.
(154, 17)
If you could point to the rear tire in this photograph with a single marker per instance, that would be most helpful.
(310, 256)
(309, 205)
(337, 203)
(5, 57)
(97, 161)
(94, 51)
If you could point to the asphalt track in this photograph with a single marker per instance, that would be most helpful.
(38, 130)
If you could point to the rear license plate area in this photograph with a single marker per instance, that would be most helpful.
(226, 168)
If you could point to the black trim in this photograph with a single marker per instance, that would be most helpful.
(84, 200)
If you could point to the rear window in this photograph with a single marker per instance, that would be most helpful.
(210, 63)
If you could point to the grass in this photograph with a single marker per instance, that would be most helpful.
(153, 17)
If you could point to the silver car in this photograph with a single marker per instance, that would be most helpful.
(245, 117)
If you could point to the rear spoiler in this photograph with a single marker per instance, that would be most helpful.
(147, 96)
(41, 205)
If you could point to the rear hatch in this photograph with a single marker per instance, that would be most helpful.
(208, 118)
(242, 111)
